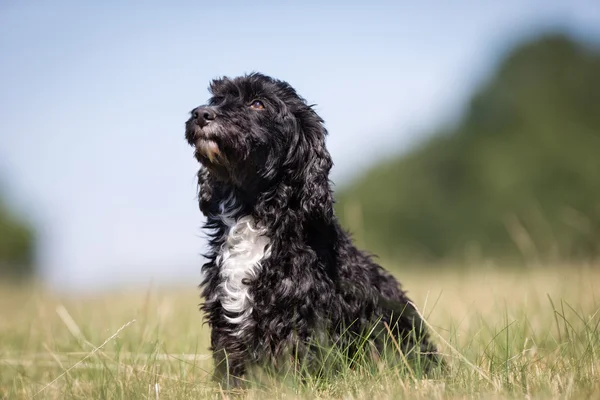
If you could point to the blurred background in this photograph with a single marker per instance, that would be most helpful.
(463, 133)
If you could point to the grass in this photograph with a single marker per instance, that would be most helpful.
(514, 334)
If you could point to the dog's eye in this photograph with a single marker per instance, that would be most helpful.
(257, 105)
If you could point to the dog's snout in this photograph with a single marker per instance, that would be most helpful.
(203, 115)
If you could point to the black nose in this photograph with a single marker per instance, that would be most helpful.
(203, 115)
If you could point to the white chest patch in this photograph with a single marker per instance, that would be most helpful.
(245, 247)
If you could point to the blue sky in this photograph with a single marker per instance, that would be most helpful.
(94, 96)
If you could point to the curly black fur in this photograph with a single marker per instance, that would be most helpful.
(263, 154)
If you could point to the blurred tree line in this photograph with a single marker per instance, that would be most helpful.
(517, 179)
(17, 246)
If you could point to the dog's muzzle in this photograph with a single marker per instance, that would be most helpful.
(207, 148)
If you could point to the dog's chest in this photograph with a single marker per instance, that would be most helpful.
(245, 247)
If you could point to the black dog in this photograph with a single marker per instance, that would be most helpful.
(282, 278)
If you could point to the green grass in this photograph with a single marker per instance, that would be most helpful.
(511, 334)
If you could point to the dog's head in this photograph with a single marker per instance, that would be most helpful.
(255, 132)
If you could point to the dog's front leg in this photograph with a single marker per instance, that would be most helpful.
(230, 358)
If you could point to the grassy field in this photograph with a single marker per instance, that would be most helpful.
(511, 334)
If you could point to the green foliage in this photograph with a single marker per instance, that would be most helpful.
(16, 246)
(518, 178)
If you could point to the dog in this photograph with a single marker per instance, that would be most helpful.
(283, 279)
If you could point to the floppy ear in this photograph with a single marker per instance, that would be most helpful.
(311, 165)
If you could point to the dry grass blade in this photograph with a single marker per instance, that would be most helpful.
(114, 335)
(400, 352)
(458, 353)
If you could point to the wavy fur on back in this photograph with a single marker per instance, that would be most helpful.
(282, 276)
